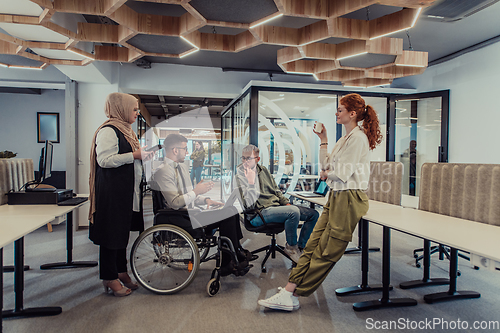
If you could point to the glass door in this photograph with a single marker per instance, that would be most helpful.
(420, 134)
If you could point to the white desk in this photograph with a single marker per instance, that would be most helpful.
(54, 211)
(14, 228)
(457, 233)
(314, 200)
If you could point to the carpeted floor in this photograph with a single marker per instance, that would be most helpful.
(234, 309)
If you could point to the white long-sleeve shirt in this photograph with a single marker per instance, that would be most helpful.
(107, 157)
(348, 164)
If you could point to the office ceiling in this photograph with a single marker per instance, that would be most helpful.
(333, 39)
(168, 106)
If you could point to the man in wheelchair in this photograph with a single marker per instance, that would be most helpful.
(172, 180)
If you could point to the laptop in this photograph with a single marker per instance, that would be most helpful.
(321, 191)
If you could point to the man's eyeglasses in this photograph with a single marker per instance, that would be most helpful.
(244, 158)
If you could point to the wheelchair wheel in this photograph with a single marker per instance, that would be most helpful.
(213, 287)
(165, 259)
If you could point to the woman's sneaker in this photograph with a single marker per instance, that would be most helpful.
(283, 300)
(293, 252)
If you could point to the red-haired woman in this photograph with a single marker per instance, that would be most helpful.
(347, 171)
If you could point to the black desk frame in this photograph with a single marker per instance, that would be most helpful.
(19, 310)
(385, 301)
(69, 250)
(363, 287)
(426, 280)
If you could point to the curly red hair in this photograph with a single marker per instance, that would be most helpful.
(365, 113)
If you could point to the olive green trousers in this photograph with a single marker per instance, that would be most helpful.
(329, 239)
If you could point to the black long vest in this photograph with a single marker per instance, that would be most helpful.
(114, 197)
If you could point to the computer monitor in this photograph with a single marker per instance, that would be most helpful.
(45, 165)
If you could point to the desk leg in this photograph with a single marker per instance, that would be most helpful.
(19, 311)
(1, 288)
(10, 269)
(69, 248)
(363, 287)
(426, 280)
(359, 247)
(452, 292)
(385, 301)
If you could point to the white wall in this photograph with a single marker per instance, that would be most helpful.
(91, 99)
(474, 81)
(18, 125)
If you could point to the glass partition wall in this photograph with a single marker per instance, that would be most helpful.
(288, 146)
(280, 122)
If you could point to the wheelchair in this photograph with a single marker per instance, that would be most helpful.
(166, 257)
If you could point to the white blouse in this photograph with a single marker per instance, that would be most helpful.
(108, 157)
(348, 164)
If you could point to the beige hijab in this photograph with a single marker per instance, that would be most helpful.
(117, 109)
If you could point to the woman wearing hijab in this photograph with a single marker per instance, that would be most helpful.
(115, 194)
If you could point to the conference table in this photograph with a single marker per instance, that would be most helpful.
(458, 234)
(13, 229)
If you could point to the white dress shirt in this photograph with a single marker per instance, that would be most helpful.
(167, 179)
(108, 157)
(348, 164)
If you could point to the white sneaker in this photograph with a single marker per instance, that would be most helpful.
(293, 252)
(283, 300)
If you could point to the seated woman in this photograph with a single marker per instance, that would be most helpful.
(172, 179)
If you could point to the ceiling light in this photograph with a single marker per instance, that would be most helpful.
(379, 85)
(303, 73)
(436, 17)
(390, 33)
(277, 99)
(410, 65)
(416, 17)
(191, 52)
(24, 67)
(184, 38)
(354, 55)
(323, 96)
(265, 21)
(3, 65)
(76, 51)
(281, 95)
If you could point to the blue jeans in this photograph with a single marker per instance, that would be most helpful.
(196, 172)
(290, 216)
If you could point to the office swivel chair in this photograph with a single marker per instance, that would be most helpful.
(444, 251)
(270, 229)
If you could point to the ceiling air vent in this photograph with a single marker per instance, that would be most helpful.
(454, 10)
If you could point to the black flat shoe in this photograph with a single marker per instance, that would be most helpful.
(238, 270)
(247, 255)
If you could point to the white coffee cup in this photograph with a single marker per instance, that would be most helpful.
(318, 127)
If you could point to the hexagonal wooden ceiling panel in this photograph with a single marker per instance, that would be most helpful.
(336, 40)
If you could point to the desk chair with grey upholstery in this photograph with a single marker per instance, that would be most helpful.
(270, 229)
